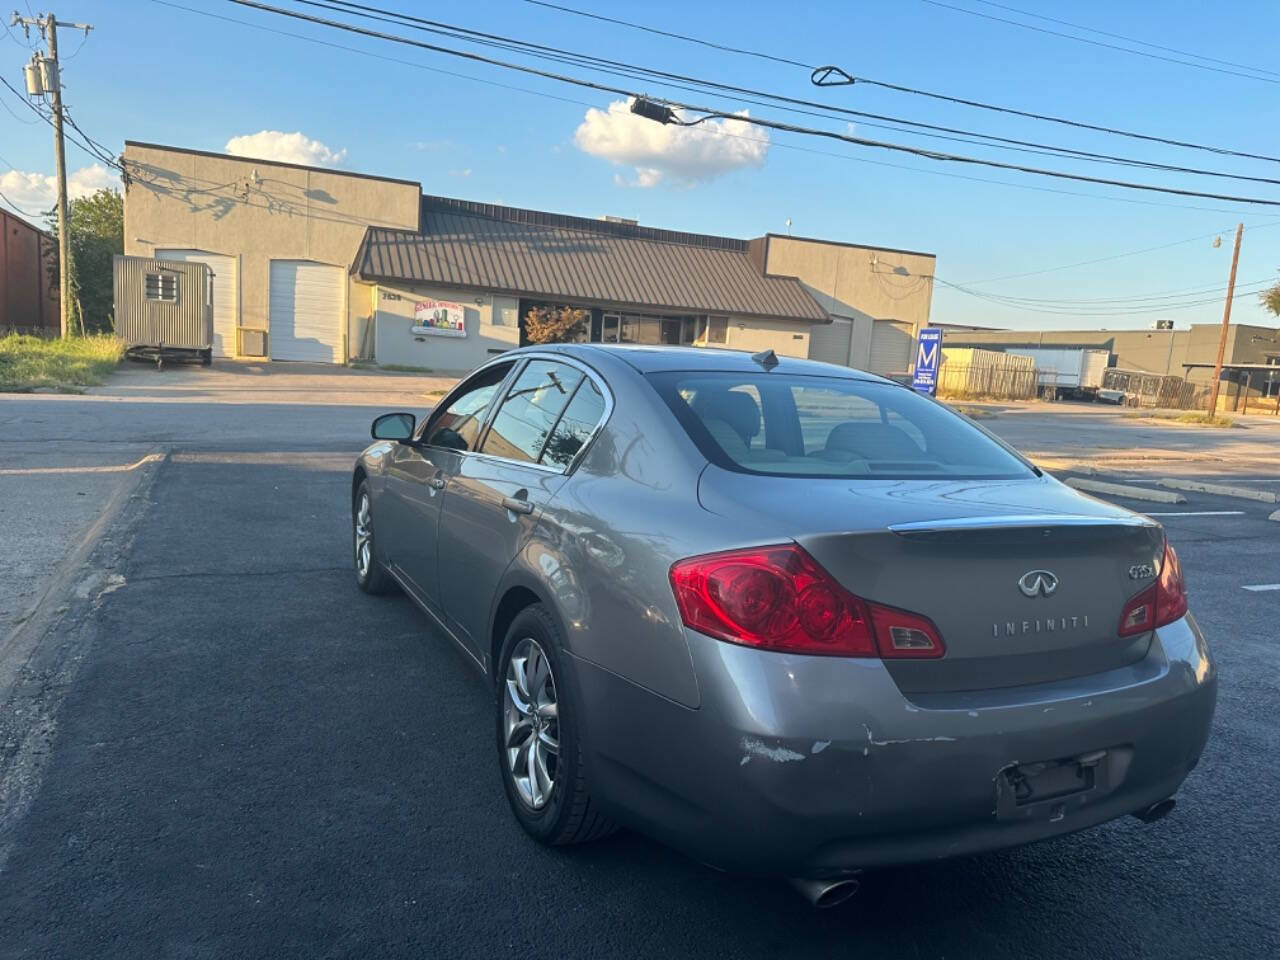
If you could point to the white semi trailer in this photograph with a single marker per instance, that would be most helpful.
(1063, 372)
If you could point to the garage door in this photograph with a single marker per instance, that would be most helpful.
(226, 294)
(305, 311)
(891, 342)
(829, 342)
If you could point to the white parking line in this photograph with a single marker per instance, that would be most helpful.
(112, 468)
(1261, 587)
(1196, 513)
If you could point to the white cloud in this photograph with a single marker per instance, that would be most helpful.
(36, 193)
(286, 148)
(460, 173)
(660, 153)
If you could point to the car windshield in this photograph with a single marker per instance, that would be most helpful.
(788, 425)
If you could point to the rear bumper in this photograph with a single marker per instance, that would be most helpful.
(814, 766)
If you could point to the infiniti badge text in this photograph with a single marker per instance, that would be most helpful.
(1013, 628)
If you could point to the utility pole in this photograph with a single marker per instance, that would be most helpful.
(1226, 322)
(51, 79)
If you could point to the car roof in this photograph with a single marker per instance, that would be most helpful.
(660, 359)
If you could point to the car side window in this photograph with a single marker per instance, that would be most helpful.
(457, 427)
(530, 410)
(580, 418)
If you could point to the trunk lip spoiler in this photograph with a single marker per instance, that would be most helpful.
(1016, 521)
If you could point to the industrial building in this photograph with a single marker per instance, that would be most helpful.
(1251, 351)
(28, 277)
(325, 265)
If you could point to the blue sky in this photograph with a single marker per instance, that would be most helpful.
(152, 72)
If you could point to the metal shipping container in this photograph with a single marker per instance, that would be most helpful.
(163, 307)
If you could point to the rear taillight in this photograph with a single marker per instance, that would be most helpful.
(779, 598)
(1163, 602)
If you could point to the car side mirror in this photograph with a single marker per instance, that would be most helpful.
(393, 426)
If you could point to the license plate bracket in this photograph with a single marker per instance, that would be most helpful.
(1048, 789)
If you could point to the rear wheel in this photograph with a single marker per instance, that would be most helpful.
(539, 751)
(371, 577)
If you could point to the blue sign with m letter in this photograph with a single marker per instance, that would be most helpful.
(928, 359)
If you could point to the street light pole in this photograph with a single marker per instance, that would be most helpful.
(1226, 322)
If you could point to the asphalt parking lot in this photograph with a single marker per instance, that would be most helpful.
(214, 745)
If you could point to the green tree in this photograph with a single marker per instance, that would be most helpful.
(1271, 299)
(556, 324)
(97, 234)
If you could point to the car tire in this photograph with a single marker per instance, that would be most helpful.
(564, 813)
(371, 576)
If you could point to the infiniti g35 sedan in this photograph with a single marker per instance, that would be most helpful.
(790, 618)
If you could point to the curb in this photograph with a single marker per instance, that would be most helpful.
(1221, 489)
(1124, 490)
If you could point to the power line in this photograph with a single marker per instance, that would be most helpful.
(774, 143)
(757, 121)
(957, 158)
(1116, 256)
(369, 53)
(1104, 312)
(1184, 295)
(933, 95)
(25, 213)
(1100, 43)
(1120, 36)
(677, 36)
(791, 104)
(9, 110)
(85, 147)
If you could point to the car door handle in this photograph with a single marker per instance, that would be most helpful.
(517, 505)
(437, 482)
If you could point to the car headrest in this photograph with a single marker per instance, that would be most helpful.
(873, 441)
(739, 410)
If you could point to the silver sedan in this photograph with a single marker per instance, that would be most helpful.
(791, 618)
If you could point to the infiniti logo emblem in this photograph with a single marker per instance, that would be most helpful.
(1038, 583)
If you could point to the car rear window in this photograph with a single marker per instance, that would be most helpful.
(789, 425)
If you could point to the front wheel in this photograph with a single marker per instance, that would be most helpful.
(371, 577)
(539, 752)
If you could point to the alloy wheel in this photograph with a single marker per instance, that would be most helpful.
(531, 723)
(364, 538)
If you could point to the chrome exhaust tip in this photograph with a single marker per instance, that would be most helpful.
(1157, 811)
(824, 894)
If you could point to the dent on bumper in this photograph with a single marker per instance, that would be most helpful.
(819, 765)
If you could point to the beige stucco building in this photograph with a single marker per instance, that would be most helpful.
(279, 237)
(877, 299)
(330, 266)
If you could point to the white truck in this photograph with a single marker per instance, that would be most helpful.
(1067, 372)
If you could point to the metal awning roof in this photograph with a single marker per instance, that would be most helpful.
(529, 253)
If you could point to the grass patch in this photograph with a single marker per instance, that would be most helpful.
(973, 413)
(1183, 416)
(65, 366)
(1206, 419)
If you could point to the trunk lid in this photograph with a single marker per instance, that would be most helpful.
(1024, 579)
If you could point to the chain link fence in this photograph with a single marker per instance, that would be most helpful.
(1153, 390)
